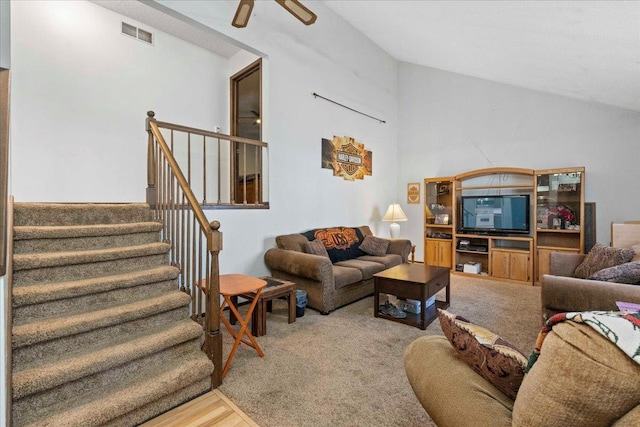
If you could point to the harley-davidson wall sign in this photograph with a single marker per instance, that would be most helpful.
(347, 157)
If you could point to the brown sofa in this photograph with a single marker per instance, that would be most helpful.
(561, 292)
(328, 284)
(580, 379)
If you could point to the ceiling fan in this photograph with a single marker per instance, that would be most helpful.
(297, 9)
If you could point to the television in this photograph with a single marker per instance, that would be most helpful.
(495, 214)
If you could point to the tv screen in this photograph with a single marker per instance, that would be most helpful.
(495, 214)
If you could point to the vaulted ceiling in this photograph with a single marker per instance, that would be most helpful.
(588, 50)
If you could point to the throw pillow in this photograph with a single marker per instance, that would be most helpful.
(316, 247)
(374, 246)
(600, 257)
(492, 357)
(628, 273)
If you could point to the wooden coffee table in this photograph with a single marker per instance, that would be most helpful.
(413, 281)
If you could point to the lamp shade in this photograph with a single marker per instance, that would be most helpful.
(395, 213)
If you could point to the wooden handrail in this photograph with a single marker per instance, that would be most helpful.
(232, 168)
(182, 181)
(194, 248)
(172, 126)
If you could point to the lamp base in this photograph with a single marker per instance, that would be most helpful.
(394, 230)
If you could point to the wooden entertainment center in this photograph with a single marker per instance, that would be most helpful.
(555, 221)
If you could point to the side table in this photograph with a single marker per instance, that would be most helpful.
(276, 288)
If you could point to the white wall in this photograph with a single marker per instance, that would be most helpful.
(79, 105)
(334, 60)
(65, 90)
(450, 123)
(80, 93)
(5, 34)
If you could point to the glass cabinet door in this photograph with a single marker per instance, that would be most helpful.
(438, 201)
(559, 201)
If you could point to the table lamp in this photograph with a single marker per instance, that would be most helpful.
(394, 214)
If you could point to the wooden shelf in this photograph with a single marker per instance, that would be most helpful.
(492, 187)
(462, 251)
(555, 230)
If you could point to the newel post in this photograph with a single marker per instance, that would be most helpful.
(214, 338)
(152, 194)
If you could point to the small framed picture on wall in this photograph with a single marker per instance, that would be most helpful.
(413, 193)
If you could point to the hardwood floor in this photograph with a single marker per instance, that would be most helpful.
(210, 409)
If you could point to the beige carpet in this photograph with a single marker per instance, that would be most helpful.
(346, 369)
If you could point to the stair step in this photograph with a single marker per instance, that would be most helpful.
(141, 384)
(29, 269)
(160, 406)
(50, 329)
(40, 239)
(94, 339)
(36, 302)
(46, 292)
(79, 213)
(57, 259)
(45, 377)
(101, 335)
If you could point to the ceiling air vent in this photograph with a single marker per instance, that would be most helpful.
(138, 33)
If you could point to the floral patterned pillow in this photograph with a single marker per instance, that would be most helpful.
(492, 357)
(628, 273)
(600, 257)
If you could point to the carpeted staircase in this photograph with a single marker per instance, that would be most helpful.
(101, 334)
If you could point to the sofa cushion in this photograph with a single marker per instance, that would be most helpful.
(368, 268)
(600, 257)
(579, 379)
(628, 273)
(492, 357)
(374, 245)
(316, 247)
(344, 276)
(636, 250)
(389, 260)
(292, 242)
(342, 243)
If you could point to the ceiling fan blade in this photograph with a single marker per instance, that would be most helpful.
(298, 10)
(243, 13)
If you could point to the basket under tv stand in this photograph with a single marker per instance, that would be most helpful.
(556, 213)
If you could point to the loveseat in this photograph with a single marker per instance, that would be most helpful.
(579, 379)
(334, 265)
(471, 377)
(562, 292)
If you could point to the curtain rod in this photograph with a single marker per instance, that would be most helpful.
(348, 108)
